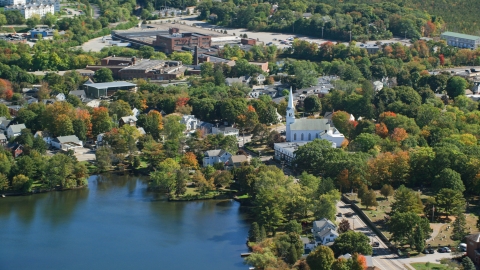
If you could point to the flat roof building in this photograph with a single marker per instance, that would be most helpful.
(174, 40)
(97, 90)
(461, 40)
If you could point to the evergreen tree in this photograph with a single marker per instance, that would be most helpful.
(468, 264)
(459, 227)
(293, 226)
(180, 185)
(254, 232)
(263, 233)
(292, 255)
(419, 239)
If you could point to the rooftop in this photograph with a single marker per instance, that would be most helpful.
(459, 35)
(110, 84)
(310, 124)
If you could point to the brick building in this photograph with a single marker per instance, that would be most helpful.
(174, 40)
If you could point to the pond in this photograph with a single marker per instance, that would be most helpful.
(116, 223)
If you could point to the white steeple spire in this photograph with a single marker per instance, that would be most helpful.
(290, 115)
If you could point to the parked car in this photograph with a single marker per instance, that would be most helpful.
(349, 214)
(444, 250)
(375, 244)
(374, 252)
(431, 250)
(339, 215)
(428, 251)
(462, 247)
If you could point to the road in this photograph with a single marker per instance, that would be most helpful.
(385, 259)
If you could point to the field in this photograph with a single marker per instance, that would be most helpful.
(428, 266)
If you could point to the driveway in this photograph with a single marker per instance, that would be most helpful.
(84, 154)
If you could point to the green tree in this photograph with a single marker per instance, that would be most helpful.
(165, 176)
(49, 19)
(3, 182)
(103, 75)
(5, 112)
(370, 199)
(321, 258)
(185, 57)
(3, 20)
(456, 86)
(468, 264)
(254, 233)
(406, 200)
(103, 158)
(459, 227)
(180, 185)
(326, 206)
(365, 142)
(293, 227)
(387, 191)
(340, 264)
(448, 178)
(33, 21)
(351, 242)
(120, 108)
(312, 104)
(449, 201)
(21, 183)
(223, 178)
(147, 51)
(404, 229)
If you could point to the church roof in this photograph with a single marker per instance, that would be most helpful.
(310, 124)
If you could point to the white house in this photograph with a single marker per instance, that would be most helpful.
(78, 93)
(44, 135)
(67, 142)
(135, 112)
(324, 231)
(60, 97)
(227, 131)
(4, 123)
(95, 103)
(190, 122)
(215, 156)
(100, 138)
(15, 130)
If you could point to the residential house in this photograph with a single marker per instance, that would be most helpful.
(3, 139)
(260, 78)
(92, 103)
(30, 100)
(78, 93)
(473, 248)
(190, 122)
(215, 156)
(100, 139)
(15, 130)
(308, 245)
(4, 123)
(60, 97)
(44, 135)
(227, 131)
(16, 149)
(237, 161)
(205, 127)
(141, 131)
(231, 81)
(128, 120)
(368, 260)
(13, 109)
(67, 142)
(135, 112)
(324, 231)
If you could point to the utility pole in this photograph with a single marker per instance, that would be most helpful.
(322, 32)
(433, 212)
(350, 35)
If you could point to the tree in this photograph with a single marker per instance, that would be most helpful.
(33, 21)
(165, 177)
(180, 185)
(341, 121)
(152, 123)
(450, 201)
(459, 227)
(312, 104)
(223, 178)
(468, 264)
(344, 226)
(340, 264)
(103, 75)
(293, 227)
(409, 228)
(3, 20)
(448, 178)
(101, 121)
(119, 108)
(326, 206)
(254, 233)
(49, 19)
(21, 183)
(387, 191)
(63, 125)
(358, 262)
(456, 86)
(3, 182)
(39, 145)
(406, 200)
(370, 199)
(103, 158)
(185, 57)
(352, 242)
(189, 161)
(321, 258)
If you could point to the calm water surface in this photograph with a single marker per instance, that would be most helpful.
(117, 224)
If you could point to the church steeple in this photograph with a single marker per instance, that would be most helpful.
(290, 117)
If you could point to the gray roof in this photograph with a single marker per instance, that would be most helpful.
(327, 232)
(323, 222)
(17, 128)
(369, 260)
(239, 159)
(77, 92)
(6, 122)
(230, 129)
(67, 139)
(2, 136)
(127, 119)
(459, 35)
(110, 84)
(141, 130)
(346, 256)
(310, 124)
(215, 153)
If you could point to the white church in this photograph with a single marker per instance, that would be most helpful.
(301, 131)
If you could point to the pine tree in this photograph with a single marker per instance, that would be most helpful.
(292, 255)
(468, 264)
(263, 234)
(459, 227)
(419, 239)
(254, 232)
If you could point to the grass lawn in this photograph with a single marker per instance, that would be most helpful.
(260, 147)
(443, 238)
(428, 266)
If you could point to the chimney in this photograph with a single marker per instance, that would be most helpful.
(195, 56)
(134, 60)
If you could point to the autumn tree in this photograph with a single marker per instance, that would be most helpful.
(358, 262)
(370, 199)
(189, 161)
(321, 258)
(152, 123)
(101, 121)
(381, 130)
(344, 226)
(387, 191)
(341, 121)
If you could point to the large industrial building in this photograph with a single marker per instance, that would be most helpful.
(461, 40)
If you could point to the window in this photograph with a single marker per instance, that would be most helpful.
(309, 136)
(295, 136)
(302, 136)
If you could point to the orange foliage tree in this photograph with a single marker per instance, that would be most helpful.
(189, 160)
(389, 168)
(381, 130)
(399, 135)
(86, 118)
(6, 91)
